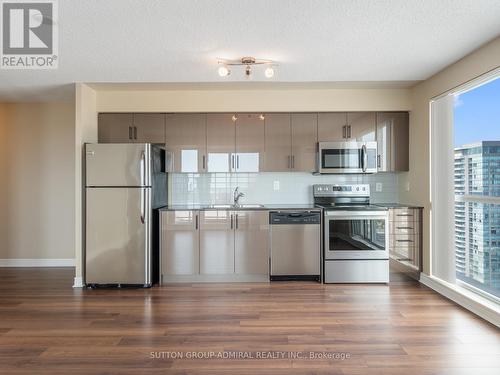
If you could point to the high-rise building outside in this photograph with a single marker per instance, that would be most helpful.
(477, 222)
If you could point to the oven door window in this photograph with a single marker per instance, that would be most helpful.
(341, 158)
(365, 234)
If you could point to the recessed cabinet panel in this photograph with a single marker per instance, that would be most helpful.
(393, 141)
(304, 141)
(361, 126)
(249, 143)
(278, 142)
(216, 242)
(221, 133)
(115, 127)
(186, 139)
(332, 126)
(251, 242)
(149, 128)
(180, 251)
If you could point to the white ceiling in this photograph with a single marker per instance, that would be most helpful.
(313, 41)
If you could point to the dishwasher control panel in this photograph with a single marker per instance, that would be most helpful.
(292, 217)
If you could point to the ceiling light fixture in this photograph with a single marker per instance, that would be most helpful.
(224, 71)
(262, 117)
(269, 72)
(234, 118)
(248, 63)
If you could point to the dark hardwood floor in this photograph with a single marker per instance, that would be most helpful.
(47, 327)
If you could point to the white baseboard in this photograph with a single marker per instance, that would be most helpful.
(478, 305)
(37, 262)
(78, 282)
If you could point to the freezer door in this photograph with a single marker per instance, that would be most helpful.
(118, 239)
(118, 164)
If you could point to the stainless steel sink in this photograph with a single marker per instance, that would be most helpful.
(233, 206)
(221, 206)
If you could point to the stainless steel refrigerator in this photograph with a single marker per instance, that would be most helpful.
(125, 184)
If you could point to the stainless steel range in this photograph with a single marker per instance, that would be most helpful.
(355, 235)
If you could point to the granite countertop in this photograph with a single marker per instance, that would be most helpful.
(396, 205)
(266, 207)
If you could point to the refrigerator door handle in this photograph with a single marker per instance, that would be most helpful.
(147, 227)
(143, 168)
(143, 206)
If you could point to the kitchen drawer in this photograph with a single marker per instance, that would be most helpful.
(405, 255)
(398, 241)
(404, 214)
(357, 271)
(403, 228)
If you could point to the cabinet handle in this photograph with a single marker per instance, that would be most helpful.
(349, 131)
(404, 228)
(237, 163)
(203, 162)
(293, 161)
(196, 222)
(404, 240)
(344, 132)
(232, 162)
(289, 162)
(231, 221)
(236, 221)
(378, 161)
(405, 215)
(135, 132)
(130, 133)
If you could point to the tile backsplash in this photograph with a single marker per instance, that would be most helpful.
(270, 187)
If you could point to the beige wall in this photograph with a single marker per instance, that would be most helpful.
(3, 178)
(262, 100)
(479, 62)
(37, 177)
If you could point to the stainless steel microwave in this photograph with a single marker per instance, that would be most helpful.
(347, 157)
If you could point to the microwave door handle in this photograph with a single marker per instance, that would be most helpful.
(364, 157)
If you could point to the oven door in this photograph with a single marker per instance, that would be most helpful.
(356, 235)
(347, 157)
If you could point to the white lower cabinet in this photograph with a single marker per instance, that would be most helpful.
(214, 245)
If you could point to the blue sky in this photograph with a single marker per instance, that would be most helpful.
(477, 114)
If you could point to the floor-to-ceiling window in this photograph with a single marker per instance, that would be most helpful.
(476, 129)
(465, 186)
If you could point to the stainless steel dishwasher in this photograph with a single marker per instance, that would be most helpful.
(295, 245)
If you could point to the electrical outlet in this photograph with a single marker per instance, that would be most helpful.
(378, 187)
(276, 185)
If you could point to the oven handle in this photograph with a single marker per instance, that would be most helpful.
(342, 215)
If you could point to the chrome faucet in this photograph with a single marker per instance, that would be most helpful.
(237, 195)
